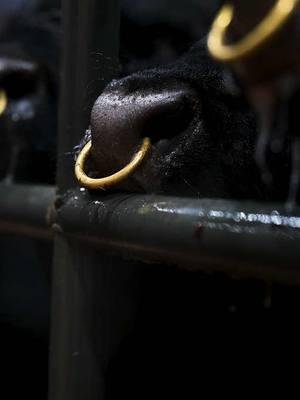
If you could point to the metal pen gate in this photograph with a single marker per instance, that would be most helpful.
(95, 235)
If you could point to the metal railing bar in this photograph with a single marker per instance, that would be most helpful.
(24, 210)
(256, 239)
(260, 240)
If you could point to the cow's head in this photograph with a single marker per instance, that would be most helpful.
(261, 43)
(29, 58)
(204, 141)
(202, 131)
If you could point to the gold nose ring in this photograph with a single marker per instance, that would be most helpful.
(254, 40)
(3, 101)
(111, 180)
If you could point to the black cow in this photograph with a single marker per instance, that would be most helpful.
(202, 130)
(29, 70)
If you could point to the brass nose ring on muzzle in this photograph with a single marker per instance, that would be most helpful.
(254, 40)
(108, 181)
(3, 101)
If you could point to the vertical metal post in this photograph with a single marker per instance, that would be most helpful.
(91, 37)
(91, 45)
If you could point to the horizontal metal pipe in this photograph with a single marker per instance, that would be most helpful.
(24, 210)
(259, 240)
(243, 238)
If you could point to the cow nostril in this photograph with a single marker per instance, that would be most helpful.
(119, 120)
(19, 78)
(169, 122)
(19, 84)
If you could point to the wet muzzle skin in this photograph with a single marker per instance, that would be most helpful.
(278, 16)
(3, 101)
(111, 180)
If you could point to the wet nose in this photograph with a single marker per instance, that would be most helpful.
(121, 119)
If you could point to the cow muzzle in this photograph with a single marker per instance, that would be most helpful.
(128, 130)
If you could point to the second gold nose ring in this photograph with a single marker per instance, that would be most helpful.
(259, 36)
